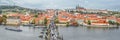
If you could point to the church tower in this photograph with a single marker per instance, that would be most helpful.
(79, 7)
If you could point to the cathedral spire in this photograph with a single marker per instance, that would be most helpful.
(79, 7)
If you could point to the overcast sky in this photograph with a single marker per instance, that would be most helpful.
(45, 4)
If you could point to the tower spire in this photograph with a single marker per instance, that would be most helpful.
(77, 6)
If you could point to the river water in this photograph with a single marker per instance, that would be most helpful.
(68, 33)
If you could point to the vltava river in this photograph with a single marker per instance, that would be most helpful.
(69, 33)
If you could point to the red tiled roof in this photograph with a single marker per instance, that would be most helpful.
(15, 15)
(25, 18)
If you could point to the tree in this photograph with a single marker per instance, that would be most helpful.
(56, 20)
(112, 22)
(117, 24)
(45, 21)
(0, 11)
(67, 24)
(35, 15)
(33, 21)
(1, 20)
(4, 17)
(89, 22)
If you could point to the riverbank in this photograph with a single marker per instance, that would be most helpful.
(99, 26)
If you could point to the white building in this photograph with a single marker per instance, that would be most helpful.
(13, 21)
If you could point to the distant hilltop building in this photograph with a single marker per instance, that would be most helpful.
(79, 8)
(85, 10)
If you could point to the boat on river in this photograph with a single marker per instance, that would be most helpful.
(13, 29)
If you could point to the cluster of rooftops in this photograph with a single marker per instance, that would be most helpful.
(64, 16)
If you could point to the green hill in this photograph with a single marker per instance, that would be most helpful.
(5, 8)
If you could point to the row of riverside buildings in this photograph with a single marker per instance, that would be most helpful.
(64, 16)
